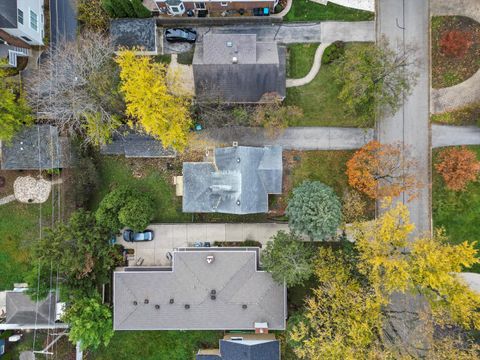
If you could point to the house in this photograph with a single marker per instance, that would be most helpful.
(136, 145)
(244, 347)
(237, 180)
(135, 34)
(38, 147)
(216, 7)
(23, 19)
(236, 68)
(19, 312)
(204, 289)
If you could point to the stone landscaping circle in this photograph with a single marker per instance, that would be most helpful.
(30, 190)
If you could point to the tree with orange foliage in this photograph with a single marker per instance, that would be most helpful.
(382, 170)
(458, 167)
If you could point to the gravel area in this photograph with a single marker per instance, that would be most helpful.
(30, 190)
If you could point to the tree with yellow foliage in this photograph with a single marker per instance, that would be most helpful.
(346, 315)
(149, 101)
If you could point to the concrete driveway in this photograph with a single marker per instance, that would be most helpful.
(170, 236)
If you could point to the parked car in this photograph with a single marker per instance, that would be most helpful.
(132, 236)
(181, 35)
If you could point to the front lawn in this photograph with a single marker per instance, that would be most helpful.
(300, 59)
(469, 115)
(157, 345)
(304, 10)
(319, 101)
(455, 50)
(457, 212)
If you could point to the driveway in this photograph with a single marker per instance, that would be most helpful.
(307, 32)
(170, 236)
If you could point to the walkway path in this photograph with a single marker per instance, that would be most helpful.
(368, 5)
(170, 236)
(448, 99)
(317, 63)
(443, 135)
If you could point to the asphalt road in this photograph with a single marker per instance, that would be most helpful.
(405, 23)
(63, 21)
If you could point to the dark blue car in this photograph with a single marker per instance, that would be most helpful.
(132, 236)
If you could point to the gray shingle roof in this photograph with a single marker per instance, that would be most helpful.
(238, 183)
(36, 147)
(22, 310)
(135, 145)
(8, 14)
(260, 68)
(234, 277)
(250, 350)
(134, 33)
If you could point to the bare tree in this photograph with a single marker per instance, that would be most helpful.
(76, 85)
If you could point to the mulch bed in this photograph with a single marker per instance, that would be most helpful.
(455, 50)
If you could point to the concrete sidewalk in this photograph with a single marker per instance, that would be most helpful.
(170, 236)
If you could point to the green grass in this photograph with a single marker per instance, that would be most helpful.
(157, 345)
(19, 229)
(300, 59)
(186, 58)
(165, 59)
(303, 10)
(117, 171)
(319, 101)
(457, 212)
(469, 115)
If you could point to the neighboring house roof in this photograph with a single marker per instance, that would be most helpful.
(21, 310)
(134, 33)
(244, 347)
(36, 147)
(235, 68)
(8, 14)
(135, 145)
(237, 183)
(233, 276)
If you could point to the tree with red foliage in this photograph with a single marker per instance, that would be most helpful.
(456, 43)
(458, 167)
(382, 170)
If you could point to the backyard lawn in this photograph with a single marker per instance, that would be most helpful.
(319, 99)
(457, 212)
(157, 345)
(19, 229)
(304, 10)
(300, 59)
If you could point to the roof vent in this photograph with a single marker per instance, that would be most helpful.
(210, 259)
(157, 307)
(213, 297)
(234, 60)
(145, 301)
(238, 160)
(187, 306)
(172, 301)
(244, 306)
(135, 303)
(213, 292)
(229, 44)
(238, 202)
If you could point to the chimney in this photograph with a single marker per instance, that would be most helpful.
(261, 328)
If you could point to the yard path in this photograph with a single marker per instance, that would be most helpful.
(330, 138)
(448, 99)
(317, 63)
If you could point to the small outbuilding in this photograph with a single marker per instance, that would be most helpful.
(135, 34)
